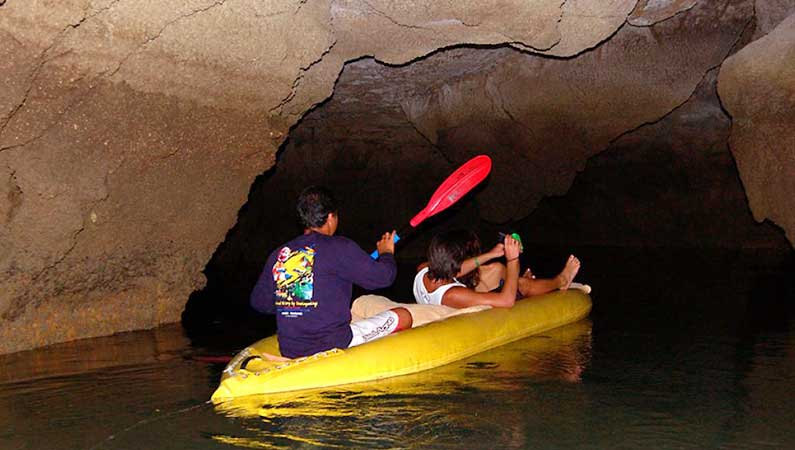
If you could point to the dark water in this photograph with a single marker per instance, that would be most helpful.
(684, 349)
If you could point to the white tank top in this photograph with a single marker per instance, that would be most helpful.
(424, 297)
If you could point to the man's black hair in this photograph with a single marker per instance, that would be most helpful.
(314, 205)
(446, 253)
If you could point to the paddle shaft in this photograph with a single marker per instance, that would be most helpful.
(400, 234)
(455, 186)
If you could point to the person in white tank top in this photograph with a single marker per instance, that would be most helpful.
(434, 297)
(459, 276)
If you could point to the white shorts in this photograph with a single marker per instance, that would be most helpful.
(374, 327)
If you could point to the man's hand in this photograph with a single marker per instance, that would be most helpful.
(386, 244)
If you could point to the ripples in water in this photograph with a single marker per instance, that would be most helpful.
(662, 365)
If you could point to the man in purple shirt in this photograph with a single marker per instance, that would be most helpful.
(308, 281)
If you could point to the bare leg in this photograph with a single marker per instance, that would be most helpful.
(569, 271)
(380, 325)
(405, 321)
(529, 285)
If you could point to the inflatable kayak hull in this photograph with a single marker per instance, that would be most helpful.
(410, 351)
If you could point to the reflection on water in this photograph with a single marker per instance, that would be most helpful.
(77, 394)
(420, 410)
(93, 354)
(93, 398)
(561, 353)
(667, 360)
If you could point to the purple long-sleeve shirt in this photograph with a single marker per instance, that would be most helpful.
(308, 282)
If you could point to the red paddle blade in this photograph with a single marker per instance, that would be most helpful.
(455, 186)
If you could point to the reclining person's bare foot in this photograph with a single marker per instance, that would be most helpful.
(569, 272)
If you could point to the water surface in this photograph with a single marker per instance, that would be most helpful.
(684, 349)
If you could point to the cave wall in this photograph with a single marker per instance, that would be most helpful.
(757, 87)
(114, 128)
(667, 177)
(569, 110)
(131, 132)
(672, 183)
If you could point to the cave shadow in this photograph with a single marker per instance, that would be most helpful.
(628, 199)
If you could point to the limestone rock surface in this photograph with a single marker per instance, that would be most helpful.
(585, 24)
(757, 88)
(569, 110)
(398, 131)
(770, 13)
(649, 12)
(131, 132)
(672, 183)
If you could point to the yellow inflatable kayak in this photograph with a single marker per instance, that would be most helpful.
(410, 351)
(560, 354)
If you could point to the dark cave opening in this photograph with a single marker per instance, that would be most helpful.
(664, 191)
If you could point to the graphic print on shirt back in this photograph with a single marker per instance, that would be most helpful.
(294, 280)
